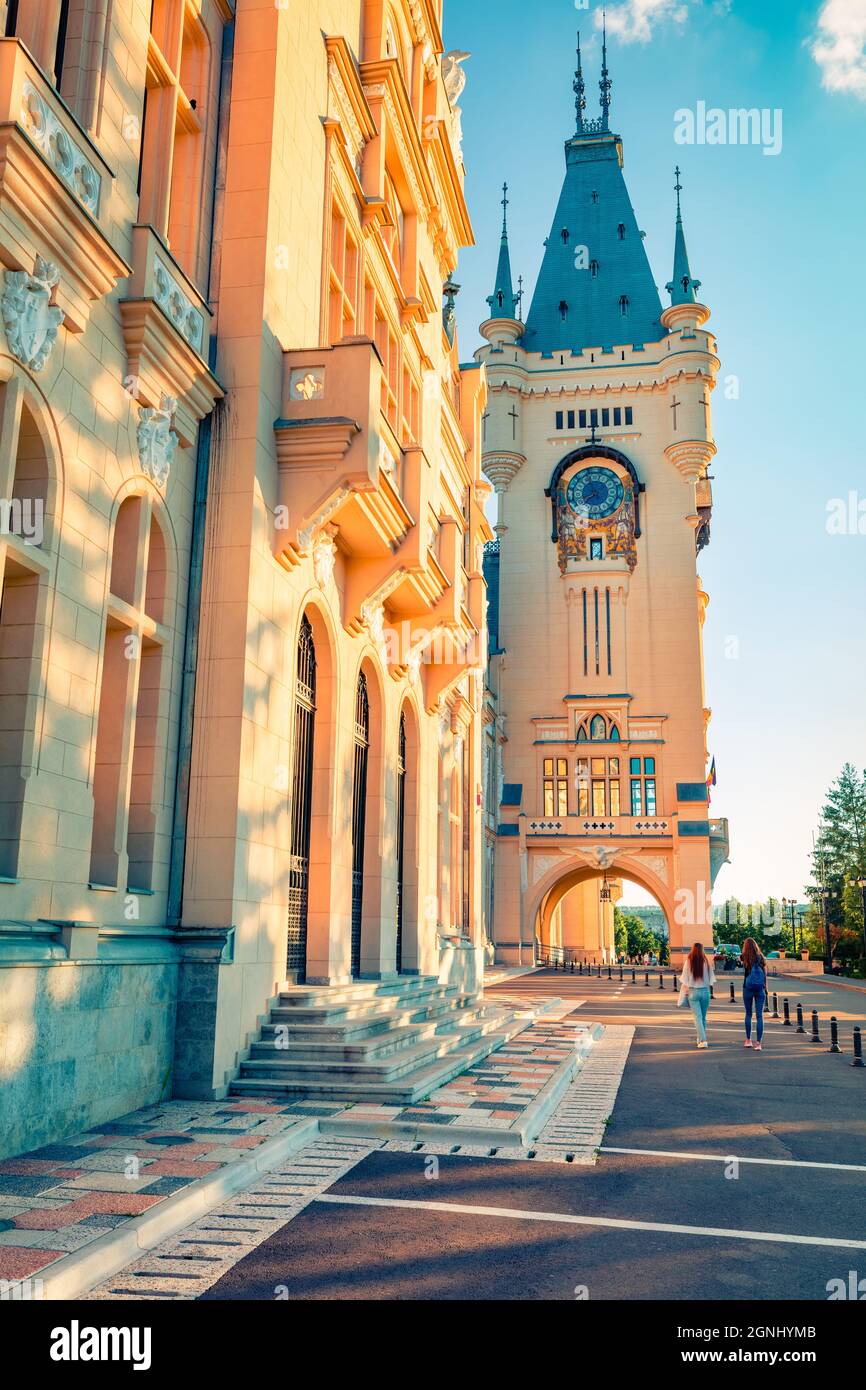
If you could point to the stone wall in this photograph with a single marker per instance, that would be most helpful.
(81, 1044)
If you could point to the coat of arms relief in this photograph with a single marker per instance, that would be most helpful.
(157, 441)
(30, 319)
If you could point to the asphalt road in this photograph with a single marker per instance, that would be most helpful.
(664, 1225)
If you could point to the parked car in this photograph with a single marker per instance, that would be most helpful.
(728, 956)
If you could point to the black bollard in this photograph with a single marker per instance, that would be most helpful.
(647, 979)
(634, 977)
(800, 1028)
(787, 1011)
(733, 995)
(858, 1048)
(610, 972)
(834, 1035)
(621, 975)
(815, 1036)
(661, 979)
(712, 991)
(775, 1013)
(572, 967)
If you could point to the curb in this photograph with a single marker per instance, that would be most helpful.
(826, 980)
(80, 1271)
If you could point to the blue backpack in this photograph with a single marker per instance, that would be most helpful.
(756, 980)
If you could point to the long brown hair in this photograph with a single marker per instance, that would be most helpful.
(697, 961)
(750, 955)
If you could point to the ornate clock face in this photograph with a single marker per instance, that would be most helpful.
(595, 493)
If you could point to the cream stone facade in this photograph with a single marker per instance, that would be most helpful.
(598, 441)
(243, 638)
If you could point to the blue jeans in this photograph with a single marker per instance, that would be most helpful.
(750, 998)
(699, 1001)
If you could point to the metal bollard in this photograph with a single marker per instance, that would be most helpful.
(712, 991)
(775, 1013)
(834, 1035)
(858, 1048)
(733, 995)
(634, 977)
(572, 967)
(647, 979)
(661, 979)
(621, 975)
(787, 1011)
(800, 1028)
(816, 1036)
(610, 972)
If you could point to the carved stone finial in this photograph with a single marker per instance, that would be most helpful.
(157, 441)
(30, 319)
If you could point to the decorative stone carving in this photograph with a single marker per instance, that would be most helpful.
(542, 863)
(30, 319)
(58, 148)
(373, 615)
(157, 441)
(308, 533)
(324, 559)
(307, 384)
(177, 306)
(657, 864)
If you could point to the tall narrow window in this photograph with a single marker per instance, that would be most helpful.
(11, 18)
(555, 787)
(401, 835)
(302, 801)
(130, 749)
(607, 620)
(598, 729)
(178, 153)
(620, 231)
(359, 814)
(623, 305)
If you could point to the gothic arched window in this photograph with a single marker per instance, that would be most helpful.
(593, 269)
(563, 310)
(620, 231)
(581, 734)
(614, 733)
(623, 305)
(598, 729)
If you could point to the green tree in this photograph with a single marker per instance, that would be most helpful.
(632, 936)
(839, 856)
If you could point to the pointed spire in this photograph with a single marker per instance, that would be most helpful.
(682, 288)
(579, 90)
(503, 301)
(605, 83)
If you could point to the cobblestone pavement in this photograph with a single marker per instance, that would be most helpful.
(62, 1196)
(186, 1266)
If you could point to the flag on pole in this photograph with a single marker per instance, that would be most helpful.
(711, 781)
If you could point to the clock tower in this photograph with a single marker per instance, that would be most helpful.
(598, 442)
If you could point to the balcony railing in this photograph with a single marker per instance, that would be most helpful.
(600, 827)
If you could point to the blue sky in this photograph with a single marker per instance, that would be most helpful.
(779, 245)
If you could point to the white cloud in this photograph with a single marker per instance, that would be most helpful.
(839, 46)
(633, 21)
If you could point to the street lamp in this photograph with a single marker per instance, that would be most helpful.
(861, 884)
(827, 895)
(605, 895)
(791, 903)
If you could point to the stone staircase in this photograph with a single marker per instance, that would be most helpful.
(393, 1041)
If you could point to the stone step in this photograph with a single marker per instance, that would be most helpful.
(369, 1025)
(356, 991)
(339, 1011)
(375, 1047)
(405, 1091)
(288, 1066)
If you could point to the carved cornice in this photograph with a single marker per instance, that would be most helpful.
(161, 363)
(321, 443)
(691, 457)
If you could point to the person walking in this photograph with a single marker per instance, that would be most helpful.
(754, 992)
(695, 983)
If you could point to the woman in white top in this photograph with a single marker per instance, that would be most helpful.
(697, 978)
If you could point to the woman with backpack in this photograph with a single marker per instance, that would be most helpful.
(754, 991)
(695, 982)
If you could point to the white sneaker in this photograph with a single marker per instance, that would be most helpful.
(703, 1044)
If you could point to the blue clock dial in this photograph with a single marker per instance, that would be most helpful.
(595, 493)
